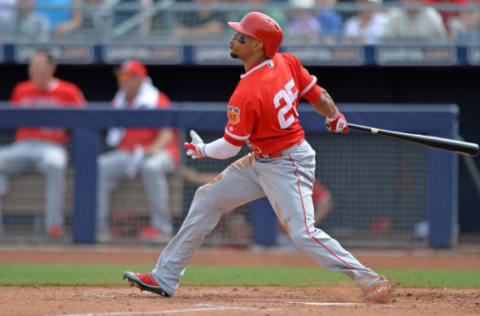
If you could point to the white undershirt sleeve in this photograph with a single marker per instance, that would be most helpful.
(220, 149)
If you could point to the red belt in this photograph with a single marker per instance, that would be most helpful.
(279, 153)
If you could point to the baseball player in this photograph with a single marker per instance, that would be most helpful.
(262, 112)
(151, 152)
(43, 148)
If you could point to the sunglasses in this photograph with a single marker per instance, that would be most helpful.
(241, 39)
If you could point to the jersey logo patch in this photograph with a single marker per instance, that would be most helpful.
(233, 114)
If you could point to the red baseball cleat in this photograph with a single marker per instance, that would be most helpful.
(379, 293)
(144, 281)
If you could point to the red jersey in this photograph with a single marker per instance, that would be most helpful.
(263, 108)
(150, 98)
(59, 94)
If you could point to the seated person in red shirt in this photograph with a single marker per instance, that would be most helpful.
(43, 148)
(153, 152)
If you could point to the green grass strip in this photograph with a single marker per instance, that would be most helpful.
(81, 275)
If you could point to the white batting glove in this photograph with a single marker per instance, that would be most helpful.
(195, 149)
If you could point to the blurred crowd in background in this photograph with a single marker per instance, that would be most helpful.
(322, 22)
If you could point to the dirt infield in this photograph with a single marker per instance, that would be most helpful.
(226, 301)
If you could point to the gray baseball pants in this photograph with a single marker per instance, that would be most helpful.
(287, 182)
(112, 167)
(48, 158)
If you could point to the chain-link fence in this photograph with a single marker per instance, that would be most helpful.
(378, 188)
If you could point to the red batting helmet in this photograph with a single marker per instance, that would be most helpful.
(263, 28)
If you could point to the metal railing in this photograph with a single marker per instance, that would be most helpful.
(168, 21)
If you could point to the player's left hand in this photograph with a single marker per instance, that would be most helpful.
(195, 149)
(337, 123)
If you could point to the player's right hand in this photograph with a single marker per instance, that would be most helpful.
(337, 123)
(195, 149)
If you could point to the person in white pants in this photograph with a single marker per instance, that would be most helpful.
(42, 149)
(151, 152)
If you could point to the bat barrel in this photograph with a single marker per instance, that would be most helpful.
(461, 147)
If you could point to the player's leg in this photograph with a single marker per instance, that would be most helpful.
(14, 158)
(154, 174)
(288, 184)
(235, 186)
(111, 167)
(52, 163)
(11, 161)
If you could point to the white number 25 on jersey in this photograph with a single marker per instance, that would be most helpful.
(286, 113)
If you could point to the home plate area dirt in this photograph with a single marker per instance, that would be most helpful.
(226, 301)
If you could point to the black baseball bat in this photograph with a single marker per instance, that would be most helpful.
(464, 148)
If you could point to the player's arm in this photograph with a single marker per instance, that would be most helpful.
(325, 105)
(218, 149)
(75, 96)
(335, 121)
(242, 112)
(221, 149)
(319, 98)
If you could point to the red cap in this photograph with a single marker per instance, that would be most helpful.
(133, 68)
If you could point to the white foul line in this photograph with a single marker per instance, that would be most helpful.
(328, 303)
(172, 311)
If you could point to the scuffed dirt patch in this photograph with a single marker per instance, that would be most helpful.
(23, 301)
